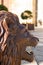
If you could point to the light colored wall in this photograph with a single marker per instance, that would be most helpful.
(18, 6)
(7, 3)
(0, 1)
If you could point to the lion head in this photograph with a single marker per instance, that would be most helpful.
(13, 39)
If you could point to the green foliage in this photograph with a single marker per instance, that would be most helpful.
(26, 14)
(2, 7)
(27, 11)
(23, 17)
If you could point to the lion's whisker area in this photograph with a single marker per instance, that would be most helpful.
(14, 38)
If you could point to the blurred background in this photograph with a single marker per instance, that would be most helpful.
(18, 6)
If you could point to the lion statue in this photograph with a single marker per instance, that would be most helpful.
(14, 38)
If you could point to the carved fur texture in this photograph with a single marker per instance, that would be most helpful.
(14, 39)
